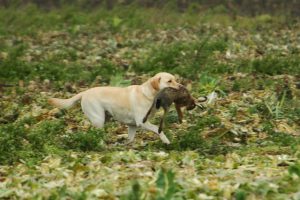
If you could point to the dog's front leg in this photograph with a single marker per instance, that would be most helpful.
(151, 127)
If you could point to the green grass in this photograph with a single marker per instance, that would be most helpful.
(188, 59)
(31, 141)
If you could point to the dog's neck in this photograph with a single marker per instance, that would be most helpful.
(148, 91)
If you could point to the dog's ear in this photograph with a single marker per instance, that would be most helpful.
(155, 83)
(157, 103)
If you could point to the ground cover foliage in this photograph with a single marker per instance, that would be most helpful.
(245, 145)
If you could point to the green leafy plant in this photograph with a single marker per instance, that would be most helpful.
(240, 194)
(17, 142)
(166, 184)
(119, 81)
(188, 59)
(208, 83)
(273, 65)
(135, 194)
(91, 140)
(294, 169)
(275, 107)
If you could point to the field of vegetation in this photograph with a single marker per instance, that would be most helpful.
(244, 145)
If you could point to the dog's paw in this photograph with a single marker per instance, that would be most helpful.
(128, 142)
(118, 144)
(164, 138)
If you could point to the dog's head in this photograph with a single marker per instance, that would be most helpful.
(163, 80)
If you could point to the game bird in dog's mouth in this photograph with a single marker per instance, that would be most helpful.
(128, 105)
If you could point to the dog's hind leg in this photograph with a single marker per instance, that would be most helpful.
(131, 133)
(94, 112)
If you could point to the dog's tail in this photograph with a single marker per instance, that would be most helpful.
(64, 103)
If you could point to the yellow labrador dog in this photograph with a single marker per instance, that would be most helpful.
(128, 105)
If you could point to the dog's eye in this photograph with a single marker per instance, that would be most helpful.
(170, 81)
